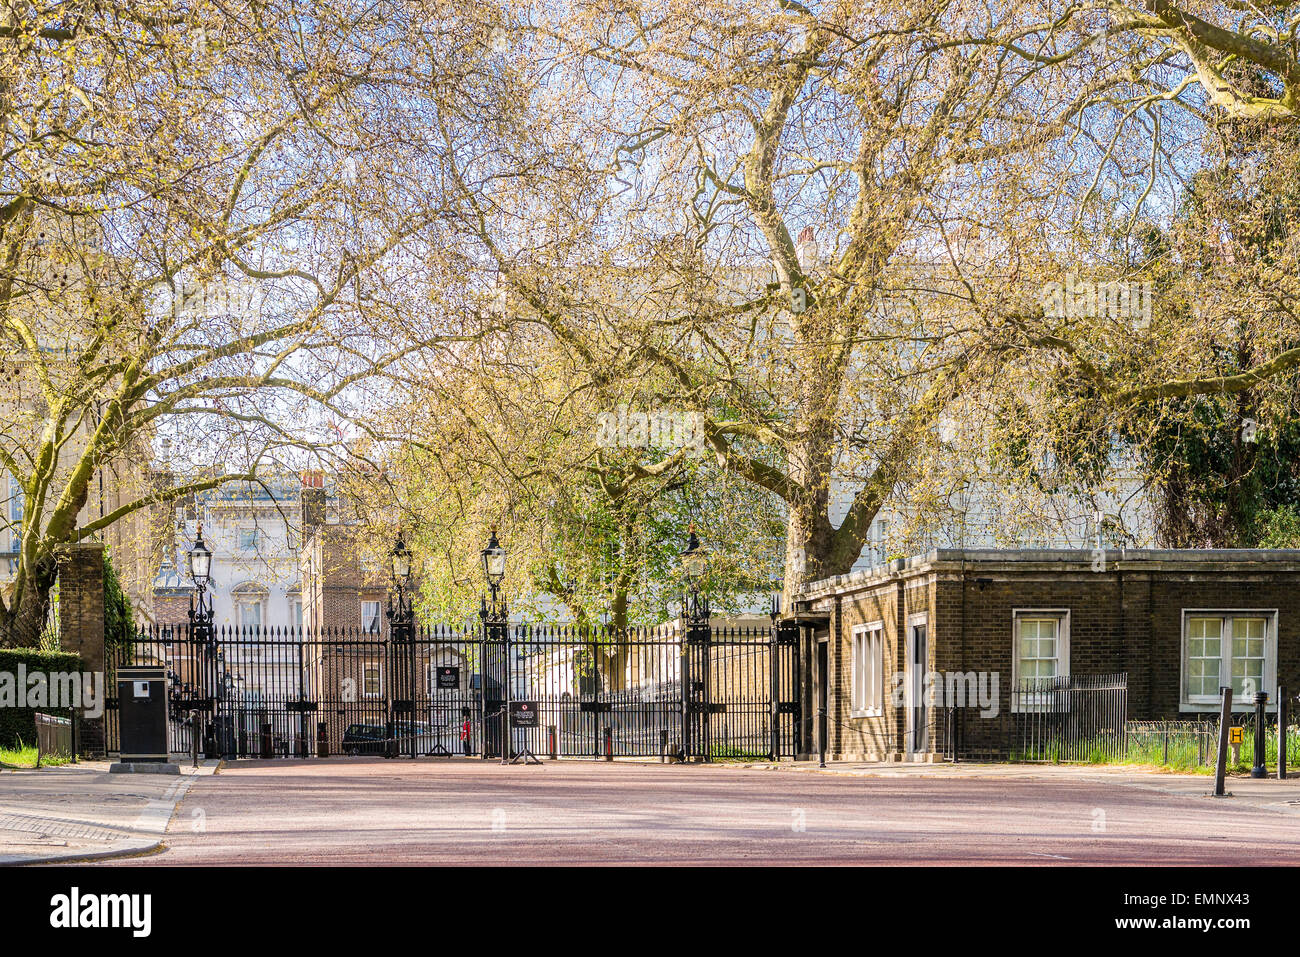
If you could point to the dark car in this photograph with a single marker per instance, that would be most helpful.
(364, 739)
(369, 738)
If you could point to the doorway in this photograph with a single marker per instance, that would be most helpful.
(823, 687)
(917, 740)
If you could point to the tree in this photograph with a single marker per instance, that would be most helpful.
(518, 442)
(209, 221)
(841, 225)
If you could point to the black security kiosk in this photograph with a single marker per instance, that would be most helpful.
(142, 706)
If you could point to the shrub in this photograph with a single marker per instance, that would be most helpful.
(18, 724)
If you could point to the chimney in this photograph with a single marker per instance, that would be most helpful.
(806, 247)
(312, 502)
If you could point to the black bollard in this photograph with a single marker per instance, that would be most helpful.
(1260, 770)
(1221, 762)
(1282, 716)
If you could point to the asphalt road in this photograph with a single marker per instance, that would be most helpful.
(372, 811)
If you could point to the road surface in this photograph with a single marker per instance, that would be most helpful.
(371, 811)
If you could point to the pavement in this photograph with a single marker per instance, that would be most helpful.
(1283, 796)
(82, 812)
(368, 811)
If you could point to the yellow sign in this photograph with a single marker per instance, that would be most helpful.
(1236, 735)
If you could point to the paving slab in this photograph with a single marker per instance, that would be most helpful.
(82, 811)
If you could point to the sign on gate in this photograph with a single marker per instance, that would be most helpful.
(523, 714)
(448, 678)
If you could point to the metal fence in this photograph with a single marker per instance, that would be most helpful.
(588, 692)
(1074, 718)
(1179, 743)
(53, 736)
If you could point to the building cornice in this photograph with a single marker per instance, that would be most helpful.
(1055, 561)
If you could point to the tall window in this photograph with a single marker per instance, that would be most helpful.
(371, 683)
(16, 501)
(868, 670)
(1236, 648)
(370, 617)
(250, 604)
(248, 539)
(1040, 652)
(1041, 644)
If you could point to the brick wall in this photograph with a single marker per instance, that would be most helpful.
(81, 624)
(1126, 617)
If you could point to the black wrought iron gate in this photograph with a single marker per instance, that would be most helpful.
(711, 693)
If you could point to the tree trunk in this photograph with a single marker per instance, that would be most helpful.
(21, 625)
(809, 532)
(615, 664)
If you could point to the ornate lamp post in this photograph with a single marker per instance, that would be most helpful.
(202, 635)
(695, 561)
(493, 611)
(201, 573)
(401, 625)
(695, 650)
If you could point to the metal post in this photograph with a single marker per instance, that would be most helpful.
(194, 739)
(685, 669)
(482, 683)
(267, 749)
(1260, 769)
(609, 743)
(1281, 731)
(505, 694)
(663, 745)
(821, 735)
(551, 744)
(322, 740)
(774, 684)
(1221, 762)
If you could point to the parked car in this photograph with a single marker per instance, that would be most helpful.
(369, 738)
(364, 739)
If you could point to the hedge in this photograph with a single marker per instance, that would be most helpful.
(18, 723)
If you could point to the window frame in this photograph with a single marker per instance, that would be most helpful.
(1204, 703)
(250, 595)
(1034, 702)
(379, 617)
(866, 670)
(378, 669)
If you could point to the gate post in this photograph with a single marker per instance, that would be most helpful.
(696, 693)
(1281, 732)
(685, 671)
(774, 682)
(505, 694)
(81, 629)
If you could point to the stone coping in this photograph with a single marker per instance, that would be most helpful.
(1059, 560)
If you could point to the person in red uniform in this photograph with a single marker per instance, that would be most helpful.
(464, 731)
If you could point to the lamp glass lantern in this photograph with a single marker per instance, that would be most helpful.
(401, 558)
(694, 559)
(494, 561)
(200, 561)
